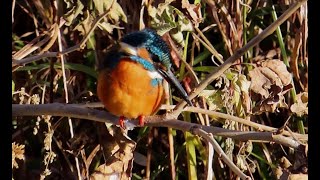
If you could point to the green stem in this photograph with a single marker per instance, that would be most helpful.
(248, 54)
(244, 15)
(185, 52)
(191, 150)
(283, 51)
(300, 126)
(280, 38)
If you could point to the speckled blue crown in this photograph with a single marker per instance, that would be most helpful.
(150, 40)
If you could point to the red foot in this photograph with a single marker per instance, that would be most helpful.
(121, 121)
(141, 120)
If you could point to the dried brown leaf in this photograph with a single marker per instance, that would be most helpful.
(285, 163)
(259, 83)
(300, 108)
(100, 5)
(298, 177)
(74, 12)
(241, 162)
(118, 149)
(84, 26)
(280, 69)
(117, 13)
(271, 75)
(17, 153)
(279, 172)
(241, 94)
(270, 104)
(194, 11)
(271, 80)
(107, 172)
(272, 54)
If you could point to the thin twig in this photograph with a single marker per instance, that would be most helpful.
(171, 151)
(210, 159)
(13, 8)
(59, 145)
(208, 45)
(65, 87)
(220, 152)
(175, 49)
(149, 153)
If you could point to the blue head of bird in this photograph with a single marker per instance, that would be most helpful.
(159, 53)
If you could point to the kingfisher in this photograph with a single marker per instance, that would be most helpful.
(130, 80)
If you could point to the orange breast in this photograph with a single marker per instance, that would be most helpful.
(126, 90)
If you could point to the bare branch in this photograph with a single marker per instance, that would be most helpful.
(75, 111)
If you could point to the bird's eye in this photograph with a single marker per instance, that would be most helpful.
(155, 58)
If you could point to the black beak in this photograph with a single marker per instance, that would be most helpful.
(169, 76)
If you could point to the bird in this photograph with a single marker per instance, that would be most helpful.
(130, 77)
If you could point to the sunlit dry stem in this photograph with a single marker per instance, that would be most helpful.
(53, 39)
(210, 150)
(257, 126)
(32, 46)
(12, 10)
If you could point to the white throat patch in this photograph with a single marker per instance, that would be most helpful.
(154, 75)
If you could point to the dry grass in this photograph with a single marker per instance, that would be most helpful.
(57, 45)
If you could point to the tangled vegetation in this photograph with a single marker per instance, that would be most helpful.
(249, 86)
